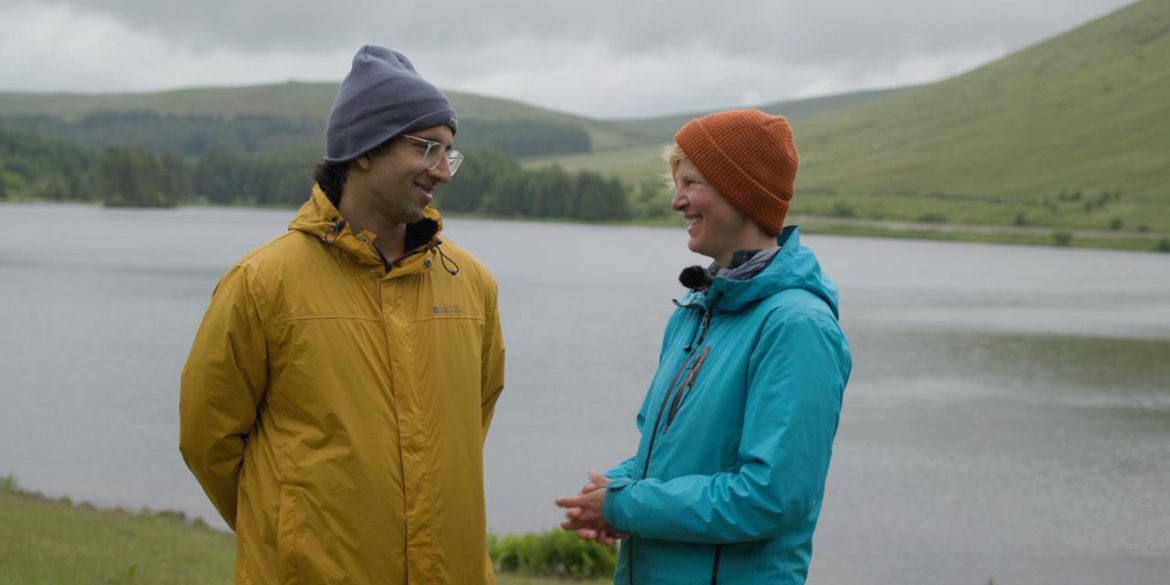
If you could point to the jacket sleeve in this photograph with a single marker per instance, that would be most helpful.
(222, 384)
(492, 369)
(796, 378)
(628, 469)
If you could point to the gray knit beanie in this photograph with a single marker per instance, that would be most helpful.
(382, 97)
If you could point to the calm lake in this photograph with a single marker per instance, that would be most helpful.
(1008, 416)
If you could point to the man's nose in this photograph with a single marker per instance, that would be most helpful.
(442, 171)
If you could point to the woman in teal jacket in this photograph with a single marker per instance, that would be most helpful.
(737, 427)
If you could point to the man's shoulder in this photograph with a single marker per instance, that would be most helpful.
(288, 247)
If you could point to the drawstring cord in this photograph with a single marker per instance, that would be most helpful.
(453, 269)
(449, 263)
(703, 325)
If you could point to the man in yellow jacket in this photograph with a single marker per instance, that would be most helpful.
(339, 390)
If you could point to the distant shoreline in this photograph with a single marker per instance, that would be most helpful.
(828, 226)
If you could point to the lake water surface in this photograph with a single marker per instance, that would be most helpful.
(1008, 416)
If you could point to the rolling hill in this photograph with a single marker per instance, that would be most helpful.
(311, 101)
(661, 129)
(1071, 133)
(1084, 113)
(296, 100)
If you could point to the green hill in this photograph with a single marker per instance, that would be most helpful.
(1070, 134)
(661, 129)
(1037, 137)
(293, 100)
(642, 161)
(310, 102)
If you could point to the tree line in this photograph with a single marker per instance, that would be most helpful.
(490, 182)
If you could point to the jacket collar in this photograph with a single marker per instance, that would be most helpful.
(791, 266)
(319, 218)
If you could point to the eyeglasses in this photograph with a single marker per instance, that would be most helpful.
(436, 152)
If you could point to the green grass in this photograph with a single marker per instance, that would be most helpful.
(50, 542)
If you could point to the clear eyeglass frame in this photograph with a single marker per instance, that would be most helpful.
(435, 152)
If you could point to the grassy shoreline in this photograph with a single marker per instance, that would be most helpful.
(49, 541)
(988, 234)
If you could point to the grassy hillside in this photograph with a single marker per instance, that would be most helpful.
(1085, 113)
(1069, 139)
(662, 129)
(299, 100)
(293, 100)
(1071, 134)
(45, 542)
(632, 164)
(643, 160)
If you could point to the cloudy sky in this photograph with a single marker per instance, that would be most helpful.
(602, 58)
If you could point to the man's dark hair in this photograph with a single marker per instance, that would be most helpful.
(331, 176)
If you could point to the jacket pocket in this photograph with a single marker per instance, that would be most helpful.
(289, 532)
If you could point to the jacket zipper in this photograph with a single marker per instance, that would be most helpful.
(715, 564)
(687, 364)
(670, 390)
(685, 390)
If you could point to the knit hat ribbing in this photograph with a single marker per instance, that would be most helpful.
(750, 157)
(382, 97)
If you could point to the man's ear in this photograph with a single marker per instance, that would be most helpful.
(363, 162)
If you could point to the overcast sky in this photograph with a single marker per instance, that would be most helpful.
(601, 58)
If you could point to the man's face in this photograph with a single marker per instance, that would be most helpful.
(398, 183)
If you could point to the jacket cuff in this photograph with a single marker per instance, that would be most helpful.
(615, 504)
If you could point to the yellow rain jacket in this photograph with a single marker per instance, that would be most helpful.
(335, 412)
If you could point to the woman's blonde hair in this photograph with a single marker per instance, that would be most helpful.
(673, 155)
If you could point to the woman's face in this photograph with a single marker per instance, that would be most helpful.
(715, 226)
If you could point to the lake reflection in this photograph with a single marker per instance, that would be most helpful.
(1008, 416)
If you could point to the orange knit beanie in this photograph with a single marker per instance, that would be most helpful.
(749, 157)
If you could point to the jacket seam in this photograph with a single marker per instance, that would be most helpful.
(326, 318)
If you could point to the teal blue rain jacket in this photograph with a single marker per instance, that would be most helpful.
(737, 430)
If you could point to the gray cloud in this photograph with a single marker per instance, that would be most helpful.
(607, 57)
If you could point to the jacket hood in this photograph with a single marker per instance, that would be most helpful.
(792, 266)
(319, 218)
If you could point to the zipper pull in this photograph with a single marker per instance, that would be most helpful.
(684, 389)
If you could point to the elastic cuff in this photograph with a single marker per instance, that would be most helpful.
(612, 507)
